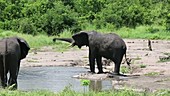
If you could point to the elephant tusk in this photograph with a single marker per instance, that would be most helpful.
(73, 44)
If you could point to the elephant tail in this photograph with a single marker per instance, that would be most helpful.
(127, 60)
(69, 40)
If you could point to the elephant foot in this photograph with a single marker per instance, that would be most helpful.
(100, 72)
(91, 72)
(4, 85)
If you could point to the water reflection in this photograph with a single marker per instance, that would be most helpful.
(100, 85)
(95, 85)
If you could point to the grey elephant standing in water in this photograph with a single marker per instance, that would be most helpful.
(109, 46)
(12, 50)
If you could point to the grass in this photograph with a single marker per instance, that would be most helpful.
(124, 69)
(66, 34)
(142, 66)
(32, 61)
(69, 92)
(137, 58)
(142, 32)
(152, 74)
(33, 41)
(38, 41)
(145, 32)
(22, 93)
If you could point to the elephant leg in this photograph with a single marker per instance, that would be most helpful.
(117, 68)
(13, 81)
(13, 77)
(92, 62)
(4, 81)
(3, 77)
(99, 64)
(117, 60)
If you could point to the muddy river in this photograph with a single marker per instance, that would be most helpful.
(56, 79)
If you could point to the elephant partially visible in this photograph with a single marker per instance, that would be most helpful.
(12, 51)
(109, 46)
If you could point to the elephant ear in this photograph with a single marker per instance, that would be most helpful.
(80, 39)
(24, 47)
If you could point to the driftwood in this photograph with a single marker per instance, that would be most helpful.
(149, 45)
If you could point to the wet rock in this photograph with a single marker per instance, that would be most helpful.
(91, 76)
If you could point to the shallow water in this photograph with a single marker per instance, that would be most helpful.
(56, 79)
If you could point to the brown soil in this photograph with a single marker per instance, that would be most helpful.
(138, 52)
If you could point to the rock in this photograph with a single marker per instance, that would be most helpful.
(91, 76)
(164, 58)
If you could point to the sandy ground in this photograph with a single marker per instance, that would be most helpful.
(138, 52)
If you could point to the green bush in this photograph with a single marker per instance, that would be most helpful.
(54, 16)
(26, 26)
(168, 22)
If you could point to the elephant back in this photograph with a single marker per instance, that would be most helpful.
(9, 45)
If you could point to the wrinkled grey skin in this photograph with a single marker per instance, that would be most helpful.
(12, 50)
(109, 46)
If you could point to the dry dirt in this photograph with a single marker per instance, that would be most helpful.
(138, 52)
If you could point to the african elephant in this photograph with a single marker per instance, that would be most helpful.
(12, 50)
(109, 46)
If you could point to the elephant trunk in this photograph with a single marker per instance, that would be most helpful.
(69, 40)
(73, 44)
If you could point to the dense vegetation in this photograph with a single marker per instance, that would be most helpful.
(54, 16)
